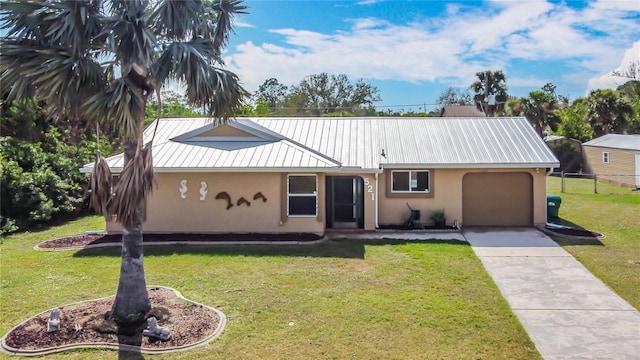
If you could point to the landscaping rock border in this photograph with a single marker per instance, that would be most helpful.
(119, 347)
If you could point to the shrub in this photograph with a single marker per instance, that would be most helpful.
(41, 181)
(570, 158)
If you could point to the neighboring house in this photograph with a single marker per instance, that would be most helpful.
(269, 175)
(614, 158)
(461, 111)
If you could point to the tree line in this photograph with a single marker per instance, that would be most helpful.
(602, 112)
(315, 95)
(41, 148)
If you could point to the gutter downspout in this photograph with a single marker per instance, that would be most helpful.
(546, 208)
(376, 202)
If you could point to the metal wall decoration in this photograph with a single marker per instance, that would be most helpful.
(183, 188)
(259, 195)
(242, 200)
(223, 195)
(203, 190)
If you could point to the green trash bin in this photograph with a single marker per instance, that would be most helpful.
(553, 206)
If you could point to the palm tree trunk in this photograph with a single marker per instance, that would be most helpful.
(132, 299)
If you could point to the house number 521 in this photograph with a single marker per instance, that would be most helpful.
(369, 187)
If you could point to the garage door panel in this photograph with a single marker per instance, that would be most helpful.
(497, 199)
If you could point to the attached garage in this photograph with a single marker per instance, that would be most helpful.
(497, 199)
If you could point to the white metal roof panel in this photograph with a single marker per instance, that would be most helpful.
(171, 156)
(358, 142)
(616, 141)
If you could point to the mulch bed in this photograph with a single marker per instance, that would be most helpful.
(423, 227)
(95, 239)
(86, 323)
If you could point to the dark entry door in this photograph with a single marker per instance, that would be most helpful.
(345, 202)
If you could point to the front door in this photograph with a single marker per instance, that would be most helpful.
(345, 202)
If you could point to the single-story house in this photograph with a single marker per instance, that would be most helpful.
(614, 158)
(279, 175)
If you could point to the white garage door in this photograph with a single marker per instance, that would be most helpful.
(497, 199)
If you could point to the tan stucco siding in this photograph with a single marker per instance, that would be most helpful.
(224, 131)
(444, 194)
(620, 169)
(446, 187)
(168, 212)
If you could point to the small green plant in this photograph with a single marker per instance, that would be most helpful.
(439, 217)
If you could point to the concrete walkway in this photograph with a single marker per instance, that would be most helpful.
(567, 312)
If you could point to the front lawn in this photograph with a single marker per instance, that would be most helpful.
(341, 299)
(615, 212)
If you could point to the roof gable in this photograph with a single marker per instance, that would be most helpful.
(225, 131)
(228, 132)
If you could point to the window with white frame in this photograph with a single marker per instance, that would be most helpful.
(302, 195)
(605, 157)
(411, 181)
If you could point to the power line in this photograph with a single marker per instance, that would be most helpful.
(424, 105)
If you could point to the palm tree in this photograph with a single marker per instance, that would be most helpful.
(490, 91)
(607, 112)
(630, 92)
(539, 108)
(102, 60)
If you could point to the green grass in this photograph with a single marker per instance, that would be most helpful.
(614, 212)
(341, 299)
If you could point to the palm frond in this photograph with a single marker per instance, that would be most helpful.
(134, 186)
(100, 185)
(176, 19)
(228, 95)
(225, 11)
(128, 34)
(217, 90)
(123, 105)
(74, 23)
(56, 75)
(182, 59)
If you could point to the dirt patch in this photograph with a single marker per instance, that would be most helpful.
(86, 323)
(95, 239)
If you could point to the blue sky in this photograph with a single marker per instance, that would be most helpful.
(413, 50)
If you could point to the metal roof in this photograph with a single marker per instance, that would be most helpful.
(345, 144)
(616, 141)
(430, 142)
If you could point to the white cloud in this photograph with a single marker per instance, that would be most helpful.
(451, 48)
(242, 24)
(617, 5)
(608, 80)
(368, 2)
(531, 82)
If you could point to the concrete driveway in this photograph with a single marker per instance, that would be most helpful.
(566, 310)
